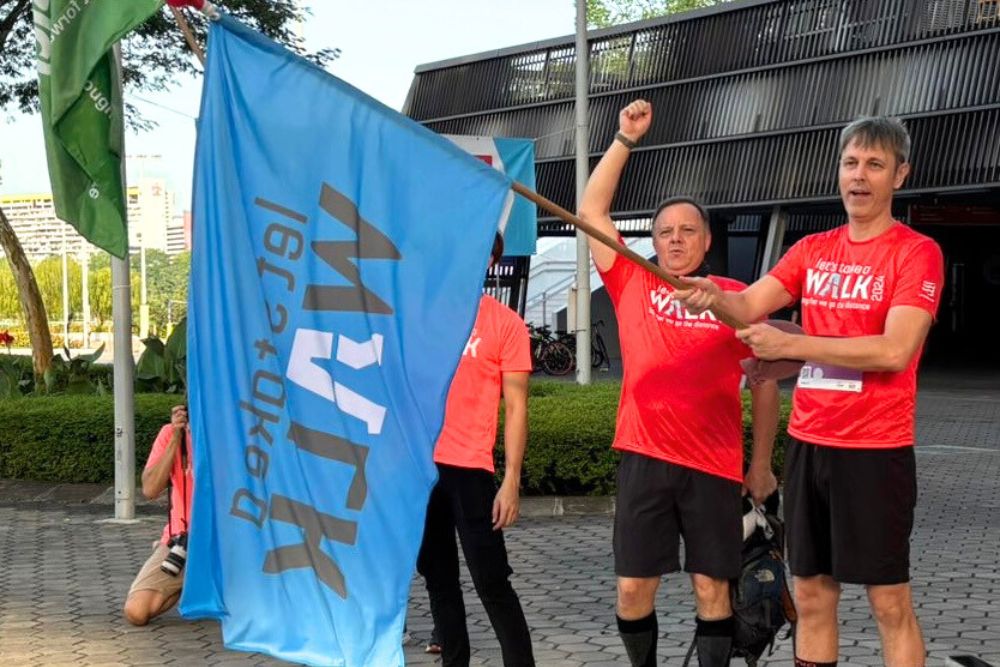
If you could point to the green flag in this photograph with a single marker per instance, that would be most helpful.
(79, 90)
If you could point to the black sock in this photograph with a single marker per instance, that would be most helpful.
(639, 637)
(714, 641)
(799, 662)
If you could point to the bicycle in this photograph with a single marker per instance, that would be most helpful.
(598, 350)
(549, 353)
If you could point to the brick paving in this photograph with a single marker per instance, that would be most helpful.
(64, 572)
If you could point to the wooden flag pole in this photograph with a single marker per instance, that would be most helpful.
(188, 34)
(622, 250)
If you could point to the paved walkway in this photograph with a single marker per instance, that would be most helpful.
(63, 572)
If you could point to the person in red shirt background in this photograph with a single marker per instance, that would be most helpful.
(679, 425)
(869, 291)
(157, 587)
(496, 361)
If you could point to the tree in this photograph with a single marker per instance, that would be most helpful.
(35, 320)
(153, 57)
(166, 281)
(168, 292)
(49, 274)
(606, 13)
(10, 307)
(99, 282)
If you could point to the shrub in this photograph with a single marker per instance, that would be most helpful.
(162, 367)
(71, 438)
(68, 374)
(570, 430)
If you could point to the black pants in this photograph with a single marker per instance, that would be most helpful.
(463, 500)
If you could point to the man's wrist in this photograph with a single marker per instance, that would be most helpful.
(625, 141)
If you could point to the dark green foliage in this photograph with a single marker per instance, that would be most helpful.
(780, 441)
(71, 438)
(71, 375)
(607, 13)
(66, 375)
(16, 376)
(570, 430)
(154, 55)
(163, 366)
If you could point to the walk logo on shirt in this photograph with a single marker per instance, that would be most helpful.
(836, 285)
(665, 309)
(472, 346)
(928, 290)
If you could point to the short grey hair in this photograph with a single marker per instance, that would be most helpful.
(889, 133)
(674, 201)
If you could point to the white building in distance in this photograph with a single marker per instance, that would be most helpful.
(42, 234)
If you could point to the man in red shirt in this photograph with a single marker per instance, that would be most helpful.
(869, 291)
(155, 589)
(496, 360)
(679, 424)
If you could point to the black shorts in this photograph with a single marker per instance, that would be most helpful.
(660, 502)
(849, 512)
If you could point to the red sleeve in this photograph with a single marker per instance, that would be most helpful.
(515, 351)
(159, 445)
(790, 269)
(920, 278)
(616, 277)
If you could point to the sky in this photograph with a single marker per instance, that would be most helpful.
(382, 41)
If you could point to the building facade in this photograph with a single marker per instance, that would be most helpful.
(749, 98)
(42, 234)
(179, 233)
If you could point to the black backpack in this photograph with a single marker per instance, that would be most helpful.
(761, 601)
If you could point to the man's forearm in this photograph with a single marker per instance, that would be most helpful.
(155, 478)
(765, 412)
(515, 438)
(864, 353)
(600, 189)
(737, 305)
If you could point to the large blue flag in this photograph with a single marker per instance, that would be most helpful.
(516, 159)
(338, 256)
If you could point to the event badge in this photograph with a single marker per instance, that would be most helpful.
(827, 376)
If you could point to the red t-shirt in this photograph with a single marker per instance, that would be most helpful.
(680, 397)
(180, 507)
(846, 289)
(498, 344)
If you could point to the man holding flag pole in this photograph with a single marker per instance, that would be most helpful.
(679, 424)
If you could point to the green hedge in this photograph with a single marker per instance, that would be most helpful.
(570, 430)
(70, 438)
